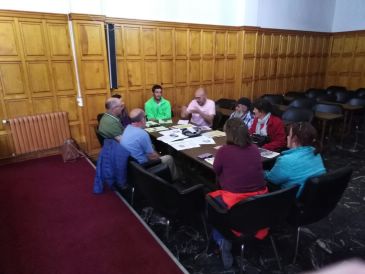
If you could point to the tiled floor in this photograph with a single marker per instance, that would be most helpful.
(339, 236)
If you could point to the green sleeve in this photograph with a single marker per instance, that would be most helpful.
(148, 108)
(165, 111)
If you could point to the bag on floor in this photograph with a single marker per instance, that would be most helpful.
(70, 151)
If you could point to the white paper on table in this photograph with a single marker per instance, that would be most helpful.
(184, 144)
(165, 121)
(183, 122)
(268, 153)
(214, 133)
(202, 140)
(161, 128)
(151, 129)
(205, 128)
(182, 126)
(171, 132)
(170, 139)
(151, 123)
(210, 160)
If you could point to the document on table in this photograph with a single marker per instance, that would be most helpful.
(268, 153)
(182, 126)
(210, 160)
(183, 122)
(202, 140)
(169, 121)
(161, 128)
(170, 136)
(214, 133)
(183, 144)
(151, 124)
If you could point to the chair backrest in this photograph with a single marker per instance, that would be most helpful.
(162, 195)
(295, 94)
(334, 89)
(275, 99)
(256, 212)
(342, 96)
(292, 115)
(100, 137)
(226, 103)
(313, 93)
(302, 103)
(326, 97)
(336, 109)
(217, 121)
(320, 196)
(99, 116)
(360, 93)
(357, 102)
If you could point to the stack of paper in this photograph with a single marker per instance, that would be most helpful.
(210, 160)
(151, 124)
(165, 121)
(268, 153)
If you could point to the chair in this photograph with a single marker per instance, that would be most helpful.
(99, 136)
(218, 120)
(333, 89)
(99, 116)
(313, 93)
(302, 103)
(275, 99)
(360, 93)
(359, 120)
(319, 197)
(292, 115)
(326, 98)
(226, 103)
(342, 96)
(170, 199)
(336, 109)
(250, 215)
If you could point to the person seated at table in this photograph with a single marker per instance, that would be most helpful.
(157, 107)
(301, 161)
(137, 141)
(268, 126)
(123, 116)
(238, 168)
(109, 125)
(243, 111)
(201, 109)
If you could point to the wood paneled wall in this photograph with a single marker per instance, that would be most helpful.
(181, 57)
(346, 62)
(37, 73)
(36, 70)
(279, 61)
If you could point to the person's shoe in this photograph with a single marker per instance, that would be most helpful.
(227, 258)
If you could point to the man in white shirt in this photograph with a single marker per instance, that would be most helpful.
(201, 109)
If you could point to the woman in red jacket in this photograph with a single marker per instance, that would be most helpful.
(266, 124)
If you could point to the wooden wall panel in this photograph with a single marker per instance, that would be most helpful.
(36, 70)
(346, 60)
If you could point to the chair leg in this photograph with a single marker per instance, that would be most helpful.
(205, 226)
(241, 258)
(132, 196)
(276, 252)
(167, 229)
(296, 246)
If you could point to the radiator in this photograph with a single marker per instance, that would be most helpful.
(39, 132)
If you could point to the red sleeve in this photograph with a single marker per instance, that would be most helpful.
(276, 134)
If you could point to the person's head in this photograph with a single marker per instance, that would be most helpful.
(200, 96)
(302, 134)
(114, 106)
(138, 117)
(157, 92)
(243, 105)
(237, 133)
(261, 107)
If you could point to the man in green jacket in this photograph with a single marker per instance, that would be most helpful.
(157, 107)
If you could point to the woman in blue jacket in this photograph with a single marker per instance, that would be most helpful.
(300, 161)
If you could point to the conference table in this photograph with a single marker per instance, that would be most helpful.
(193, 153)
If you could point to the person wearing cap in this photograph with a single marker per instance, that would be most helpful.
(243, 111)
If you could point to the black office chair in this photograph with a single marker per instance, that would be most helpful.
(342, 96)
(326, 98)
(172, 200)
(275, 99)
(302, 103)
(333, 89)
(251, 215)
(218, 120)
(292, 115)
(313, 93)
(326, 108)
(319, 197)
(226, 103)
(360, 93)
(99, 136)
(99, 116)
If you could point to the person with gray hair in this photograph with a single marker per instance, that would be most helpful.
(138, 143)
(109, 125)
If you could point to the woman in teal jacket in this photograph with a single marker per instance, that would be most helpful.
(300, 161)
